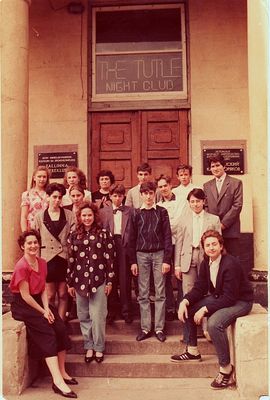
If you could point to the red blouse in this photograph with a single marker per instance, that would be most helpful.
(24, 272)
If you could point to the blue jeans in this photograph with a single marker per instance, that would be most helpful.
(92, 312)
(146, 262)
(216, 325)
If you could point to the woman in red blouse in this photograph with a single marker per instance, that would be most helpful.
(89, 278)
(46, 332)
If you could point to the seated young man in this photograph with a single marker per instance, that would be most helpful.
(116, 218)
(222, 293)
(150, 249)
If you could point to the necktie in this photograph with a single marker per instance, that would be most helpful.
(197, 231)
(219, 184)
(121, 208)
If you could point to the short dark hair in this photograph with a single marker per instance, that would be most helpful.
(196, 192)
(32, 232)
(218, 157)
(147, 186)
(106, 172)
(55, 187)
(118, 188)
(167, 178)
(183, 167)
(145, 168)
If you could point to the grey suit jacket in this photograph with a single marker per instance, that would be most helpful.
(51, 246)
(106, 216)
(184, 236)
(227, 205)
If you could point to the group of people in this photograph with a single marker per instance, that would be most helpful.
(87, 246)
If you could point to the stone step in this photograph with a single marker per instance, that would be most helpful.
(142, 366)
(123, 344)
(120, 327)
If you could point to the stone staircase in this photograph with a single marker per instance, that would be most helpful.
(127, 358)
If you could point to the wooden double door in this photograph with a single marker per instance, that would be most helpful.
(120, 141)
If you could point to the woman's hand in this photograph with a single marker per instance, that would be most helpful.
(108, 289)
(71, 291)
(134, 269)
(198, 316)
(49, 316)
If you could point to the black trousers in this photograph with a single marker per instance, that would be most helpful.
(122, 301)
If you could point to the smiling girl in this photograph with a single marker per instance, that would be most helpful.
(89, 277)
(74, 176)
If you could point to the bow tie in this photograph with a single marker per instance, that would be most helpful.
(121, 208)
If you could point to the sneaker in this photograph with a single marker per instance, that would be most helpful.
(222, 381)
(185, 357)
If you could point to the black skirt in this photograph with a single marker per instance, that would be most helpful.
(44, 339)
(57, 269)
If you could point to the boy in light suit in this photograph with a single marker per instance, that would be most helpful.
(116, 218)
(188, 249)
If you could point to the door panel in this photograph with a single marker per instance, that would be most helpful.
(115, 145)
(123, 140)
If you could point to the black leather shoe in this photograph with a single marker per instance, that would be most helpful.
(143, 335)
(70, 394)
(71, 381)
(160, 336)
(89, 359)
(99, 359)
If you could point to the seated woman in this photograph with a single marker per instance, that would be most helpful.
(222, 293)
(74, 176)
(89, 277)
(46, 332)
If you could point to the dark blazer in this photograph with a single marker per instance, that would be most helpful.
(106, 216)
(231, 285)
(227, 205)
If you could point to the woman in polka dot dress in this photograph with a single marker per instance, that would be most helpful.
(90, 276)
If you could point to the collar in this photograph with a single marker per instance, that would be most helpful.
(171, 199)
(215, 263)
(198, 215)
(221, 179)
(143, 207)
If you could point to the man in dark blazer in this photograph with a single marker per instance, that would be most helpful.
(116, 218)
(224, 197)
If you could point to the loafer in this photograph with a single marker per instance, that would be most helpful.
(99, 359)
(160, 336)
(89, 359)
(71, 381)
(143, 335)
(71, 394)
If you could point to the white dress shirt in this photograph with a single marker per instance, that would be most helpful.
(214, 267)
(117, 221)
(219, 182)
(197, 224)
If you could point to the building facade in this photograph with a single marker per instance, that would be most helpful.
(122, 82)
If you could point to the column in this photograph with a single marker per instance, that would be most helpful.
(257, 76)
(14, 108)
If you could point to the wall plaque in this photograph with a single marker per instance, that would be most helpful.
(57, 162)
(234, 160)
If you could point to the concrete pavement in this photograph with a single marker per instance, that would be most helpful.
(133, 389)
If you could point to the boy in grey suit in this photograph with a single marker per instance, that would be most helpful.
(224, 197)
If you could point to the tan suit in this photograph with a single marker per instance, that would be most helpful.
(51, 246)
(186, 257)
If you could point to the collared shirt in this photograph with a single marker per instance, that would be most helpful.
(143, 207)
(214, 267)
(181, 193)
(117, 221)
(172, 206)
(197, 224)
(219, 182)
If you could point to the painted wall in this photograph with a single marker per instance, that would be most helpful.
(57, 95)
(219, 84)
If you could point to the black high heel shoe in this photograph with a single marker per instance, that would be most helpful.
(89, 359)
(99, 359)
(70, 394)
(71, 381)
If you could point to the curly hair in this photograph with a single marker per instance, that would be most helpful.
(215, 234)
(55, 187)
(80, 174)
(32, 232)
(96, 226)
(105, 172)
